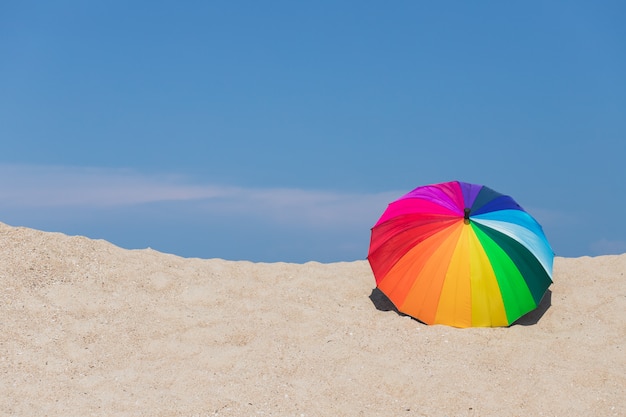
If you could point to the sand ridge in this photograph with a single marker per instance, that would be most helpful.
(89, 328)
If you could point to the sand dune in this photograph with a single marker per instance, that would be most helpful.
(88, 329)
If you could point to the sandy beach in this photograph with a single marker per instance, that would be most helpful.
(90, 329)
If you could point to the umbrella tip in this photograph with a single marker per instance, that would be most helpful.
(466, 213)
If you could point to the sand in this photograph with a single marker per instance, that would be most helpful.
(90, 329)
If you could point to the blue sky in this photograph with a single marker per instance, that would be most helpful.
(279, 131)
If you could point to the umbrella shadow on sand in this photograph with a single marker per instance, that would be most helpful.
(382, 303)
(533, 317)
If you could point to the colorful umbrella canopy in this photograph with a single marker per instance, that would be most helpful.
(460, 254)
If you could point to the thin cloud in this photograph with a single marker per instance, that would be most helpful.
(52, 186)
(289, 206)
(74, 187)
(553, 218)
(608, 247)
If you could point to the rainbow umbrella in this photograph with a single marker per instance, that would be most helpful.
(460, 254)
